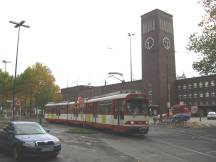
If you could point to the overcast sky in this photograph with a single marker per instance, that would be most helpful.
(82, 40)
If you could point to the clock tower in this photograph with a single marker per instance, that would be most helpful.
(158, 58)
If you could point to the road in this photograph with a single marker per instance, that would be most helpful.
(161, 144)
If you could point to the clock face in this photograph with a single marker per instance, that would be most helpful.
(149, 43)
(166, 43)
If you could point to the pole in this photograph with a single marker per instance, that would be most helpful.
(130, 62)
(5, 62)
(14, 83)
(131, 72)
(5, 67)
(17, 25)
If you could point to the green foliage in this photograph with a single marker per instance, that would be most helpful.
(6, 82)
(34, 87)
(39, 85)
(204, 43)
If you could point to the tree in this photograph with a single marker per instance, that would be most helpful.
(5, 88)
(204, 42)
(37, 86)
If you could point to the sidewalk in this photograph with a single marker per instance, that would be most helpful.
(203, 123)
(193, 122)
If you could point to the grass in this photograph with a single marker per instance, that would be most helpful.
(77, 130)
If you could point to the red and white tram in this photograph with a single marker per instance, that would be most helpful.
(124, 112)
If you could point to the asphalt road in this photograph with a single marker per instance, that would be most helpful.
(161, 144)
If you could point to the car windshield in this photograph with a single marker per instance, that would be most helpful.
(28, 128)
(211, 113)
(137, 107)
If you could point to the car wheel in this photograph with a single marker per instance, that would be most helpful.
(16, 154)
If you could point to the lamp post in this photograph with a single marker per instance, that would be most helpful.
(131, 72)
(5, 62)
(17, 25)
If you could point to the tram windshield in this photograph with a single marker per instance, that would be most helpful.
(137, 107)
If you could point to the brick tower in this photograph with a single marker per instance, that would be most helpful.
(158, 58)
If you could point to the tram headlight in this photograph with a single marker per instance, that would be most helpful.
(131, 122)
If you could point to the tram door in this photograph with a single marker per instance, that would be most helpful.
(119, 112)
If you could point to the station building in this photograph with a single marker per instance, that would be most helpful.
(159, 80)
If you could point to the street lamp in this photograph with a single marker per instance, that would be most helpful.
(116, 73)
(17, 25)
(131, 73)
(5, 62)
(113, 74)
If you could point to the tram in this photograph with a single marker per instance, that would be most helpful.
(123, 112)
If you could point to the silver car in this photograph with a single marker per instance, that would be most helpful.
(211, 115)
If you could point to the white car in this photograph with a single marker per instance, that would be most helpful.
(211, 115)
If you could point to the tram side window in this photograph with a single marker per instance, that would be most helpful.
(63, 110)
(89, 108)
(105, 107)
(75, 110)
(70, 109)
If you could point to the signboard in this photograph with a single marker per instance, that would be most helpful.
(194, 109)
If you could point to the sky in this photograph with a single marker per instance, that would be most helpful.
(81, 41)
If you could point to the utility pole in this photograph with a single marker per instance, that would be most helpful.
(5, 62)
(131, 72)
(17, 25)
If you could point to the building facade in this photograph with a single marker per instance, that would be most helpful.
(198, 92)
(158, 81)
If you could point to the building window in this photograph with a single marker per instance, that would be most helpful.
(184, 86)
(190, 95)
(200, 103)
(207, 94)
(185, 96)
(195, 85)
(150, 89)
(212, 83)
(189, 86)
(179, 87)
(207, 103)
(149, 26)
(201, 95)
(200, 85)
(213, 102)
(206, 84)
(179, 97)
(213, 94)
(195, 95)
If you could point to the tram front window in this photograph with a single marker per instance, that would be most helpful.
(137, 107)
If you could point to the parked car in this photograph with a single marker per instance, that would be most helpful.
(211, 115)
(28, 139)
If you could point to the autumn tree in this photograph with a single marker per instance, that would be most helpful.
(203, 43)
(37, 86)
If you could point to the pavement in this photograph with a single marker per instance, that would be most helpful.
(193, 122)
(203, 122)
